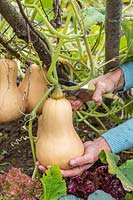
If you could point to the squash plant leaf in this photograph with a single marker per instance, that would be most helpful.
(92, 16)
(47, 4)
(123, 172)
(100, 195)
(127, 26)
(53, 184)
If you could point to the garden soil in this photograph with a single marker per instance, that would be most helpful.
(15, 150)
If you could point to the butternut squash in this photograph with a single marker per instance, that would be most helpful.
(11, 104)
(37, 87)
(57, 141)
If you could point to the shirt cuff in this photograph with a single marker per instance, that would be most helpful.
(127, 69)
(120, 138)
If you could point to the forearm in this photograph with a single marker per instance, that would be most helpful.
(121, 137)
(122, 78)
(127, 69)
(118, 79)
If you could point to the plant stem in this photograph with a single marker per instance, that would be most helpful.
(35, 172)
(78, 41)
(20, 71)
(32, 116)
(127, 7)
(52, 70)
(96, 114)
(86, 42)
(86, 122)
(100, 50)
(101, 123)
(49, 26)
(34, 12)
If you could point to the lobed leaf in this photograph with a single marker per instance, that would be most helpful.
(123, 172)
(53, 184)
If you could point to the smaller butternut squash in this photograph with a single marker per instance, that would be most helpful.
(37, 88)
(11, 103)
(57, 141)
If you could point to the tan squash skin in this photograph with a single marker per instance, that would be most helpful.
(57, 141)
(37, 88)
(11, 104)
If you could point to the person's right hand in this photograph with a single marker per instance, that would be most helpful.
(103, 84)
(107, 83)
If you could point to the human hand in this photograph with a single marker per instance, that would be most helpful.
(91, 155)
(103, 84)
(107, 83)
(79, 164)
(81, 98)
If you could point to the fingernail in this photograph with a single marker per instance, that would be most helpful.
(41, 168)
(73, 162)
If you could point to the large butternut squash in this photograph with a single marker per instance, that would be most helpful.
(57, 141)
(11, 104)
(33, 87)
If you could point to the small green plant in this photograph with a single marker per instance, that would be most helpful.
(53, 184)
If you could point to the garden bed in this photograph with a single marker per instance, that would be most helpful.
(16, 152)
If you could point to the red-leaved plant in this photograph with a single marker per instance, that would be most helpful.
(95, 179)
(16, 185)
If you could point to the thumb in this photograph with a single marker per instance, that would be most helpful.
(79, 161)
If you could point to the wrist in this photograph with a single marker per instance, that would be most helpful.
(102, 144)
(117, 77)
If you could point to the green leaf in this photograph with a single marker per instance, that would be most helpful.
(123, 172)
(111, 159)
(100, 195)
(69, 197)
(129, 196)
(48, 4)
(127, 26)
(53, 184)
(92, 16)
(127, 170)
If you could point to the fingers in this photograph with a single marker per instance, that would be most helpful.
(97, 96)
(41, 167)
(76, 104)
(87, 158)
(76, 171)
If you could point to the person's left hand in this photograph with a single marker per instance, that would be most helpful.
(79, 164)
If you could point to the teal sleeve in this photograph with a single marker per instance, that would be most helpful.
(121, 137)
(128, 76)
